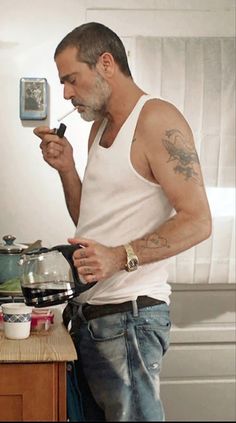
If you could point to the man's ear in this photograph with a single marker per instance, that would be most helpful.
(106, 64)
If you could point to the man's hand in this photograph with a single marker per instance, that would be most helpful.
(96, 262)
(57, 152)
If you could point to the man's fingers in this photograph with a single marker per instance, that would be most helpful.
(41, 130)
(82, 241)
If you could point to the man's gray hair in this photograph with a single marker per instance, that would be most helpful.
(92, 40)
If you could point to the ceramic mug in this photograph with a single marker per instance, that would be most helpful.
(16, 320)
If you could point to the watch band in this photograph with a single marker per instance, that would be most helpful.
(129, 249)
(132, 260)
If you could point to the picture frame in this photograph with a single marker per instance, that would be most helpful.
(33, 98)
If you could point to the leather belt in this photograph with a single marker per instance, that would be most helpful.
(90, 311)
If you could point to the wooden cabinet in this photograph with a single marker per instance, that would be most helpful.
(33, 376)
(33, 392)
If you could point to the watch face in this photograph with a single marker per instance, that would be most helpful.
(133, 264)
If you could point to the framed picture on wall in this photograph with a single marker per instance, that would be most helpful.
(33, 98)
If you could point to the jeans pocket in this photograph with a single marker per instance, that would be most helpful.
(153, 338)
(106, 328)
(151, 347)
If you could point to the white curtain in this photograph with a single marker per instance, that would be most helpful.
(198, 76)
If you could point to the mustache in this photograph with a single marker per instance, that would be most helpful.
(77, 103)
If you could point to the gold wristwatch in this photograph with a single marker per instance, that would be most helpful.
(132, 259)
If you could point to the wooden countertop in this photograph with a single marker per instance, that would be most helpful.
(52, 345)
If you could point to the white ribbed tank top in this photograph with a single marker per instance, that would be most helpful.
(118, 205)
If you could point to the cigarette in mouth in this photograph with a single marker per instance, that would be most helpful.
(68, 113)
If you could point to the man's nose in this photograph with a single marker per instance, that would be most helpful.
(68, 92)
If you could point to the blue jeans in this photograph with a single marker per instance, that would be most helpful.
(119, 362)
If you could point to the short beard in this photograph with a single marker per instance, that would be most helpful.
(96, 107)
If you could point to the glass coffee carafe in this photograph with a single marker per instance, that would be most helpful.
(49, 276)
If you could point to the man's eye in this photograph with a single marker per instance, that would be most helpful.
(72, 81)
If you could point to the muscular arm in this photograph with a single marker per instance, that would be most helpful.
(174, 164)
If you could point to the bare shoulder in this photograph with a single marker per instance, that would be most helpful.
(161, 115)
(169, 142)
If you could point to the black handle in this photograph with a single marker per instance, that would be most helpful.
(61, 130)
(67, 251)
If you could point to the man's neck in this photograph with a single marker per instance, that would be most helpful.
(125, 95)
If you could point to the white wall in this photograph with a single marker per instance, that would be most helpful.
(31, 198)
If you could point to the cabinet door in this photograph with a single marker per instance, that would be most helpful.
(30, 392)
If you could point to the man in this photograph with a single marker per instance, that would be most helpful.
(142, 201)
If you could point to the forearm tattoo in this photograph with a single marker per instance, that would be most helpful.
(183, 154)
(155, 241)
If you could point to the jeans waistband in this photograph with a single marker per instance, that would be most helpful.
(93, 311)
(88, 312)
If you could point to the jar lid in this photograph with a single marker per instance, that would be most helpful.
(9, 247)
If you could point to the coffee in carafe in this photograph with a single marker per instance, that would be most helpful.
(49, 276)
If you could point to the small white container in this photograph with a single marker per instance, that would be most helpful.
(16, 320)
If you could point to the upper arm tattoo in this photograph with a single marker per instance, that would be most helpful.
(183, 154)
